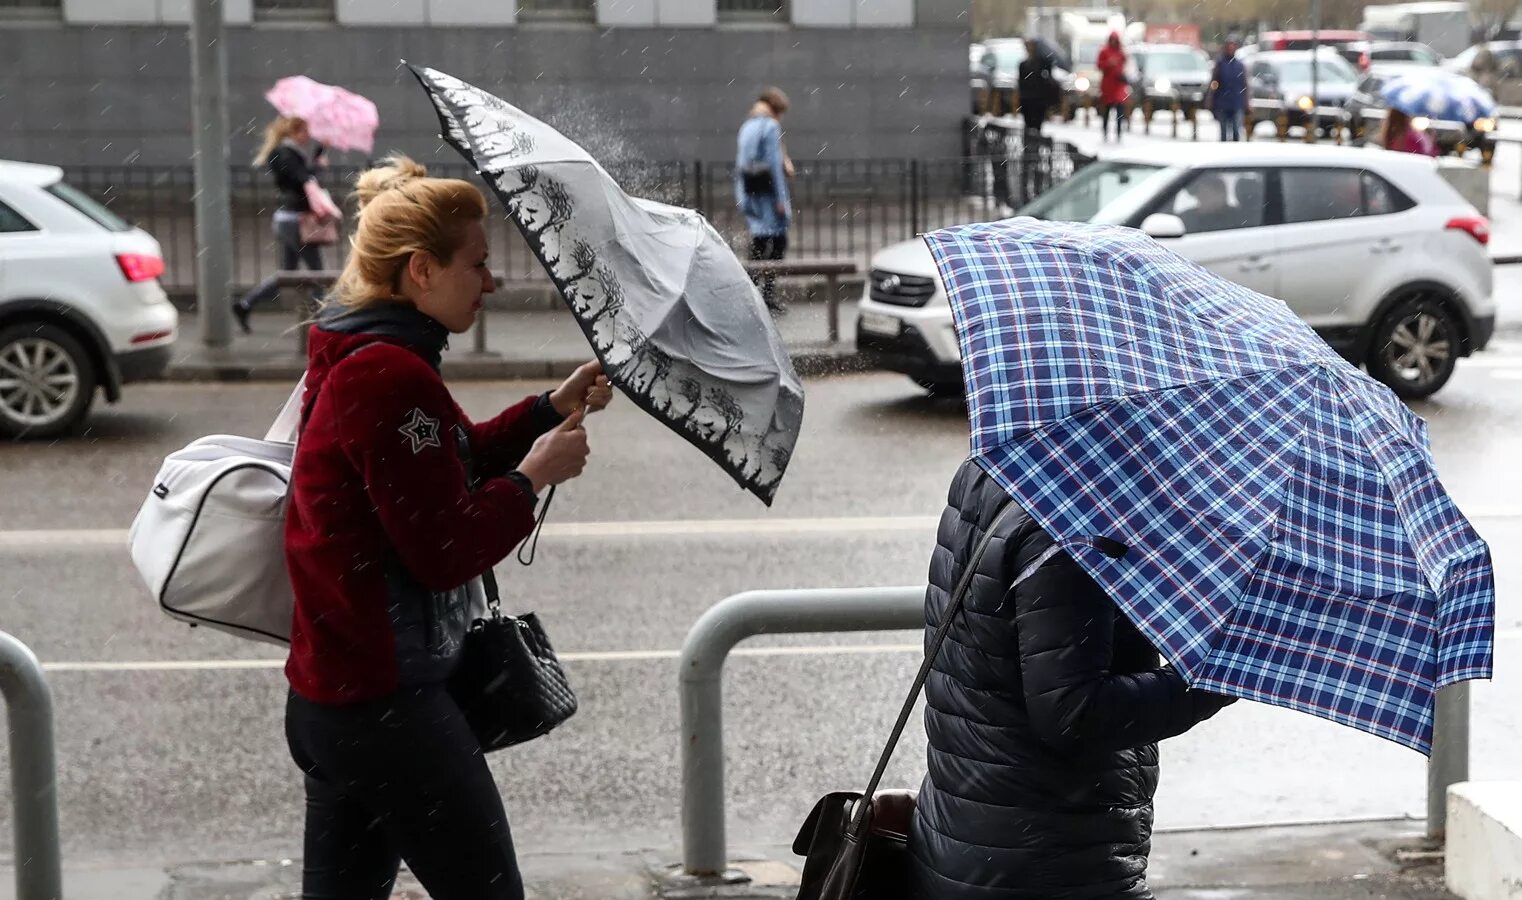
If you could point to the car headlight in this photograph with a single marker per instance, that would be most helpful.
(1163, 85)
(1081, 83)
(1421, 123)
(1485, 125)
(1306, 104)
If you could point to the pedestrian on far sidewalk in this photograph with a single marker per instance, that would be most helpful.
(1227, 98)
(1399, 133)
(292, 159)
(761, 189)
(1038, 87)
(1114, 84)
(1043, 714)
(398, 502)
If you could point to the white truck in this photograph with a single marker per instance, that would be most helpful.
(1443, 25)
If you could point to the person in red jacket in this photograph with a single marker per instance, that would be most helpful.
(1114, 86)
(398, 502)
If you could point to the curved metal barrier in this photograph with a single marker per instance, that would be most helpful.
(34, 779)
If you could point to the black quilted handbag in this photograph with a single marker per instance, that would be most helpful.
(509, 683)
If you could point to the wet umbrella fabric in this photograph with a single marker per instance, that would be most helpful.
(337, 118)
(1439, 95)
(665, 303)
(1286, 536)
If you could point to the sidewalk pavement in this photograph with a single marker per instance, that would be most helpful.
(1363, 860)
(520, 343)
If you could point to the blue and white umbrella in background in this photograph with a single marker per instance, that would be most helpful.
(1438, 95)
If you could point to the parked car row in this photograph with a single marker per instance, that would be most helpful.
(1376, 251)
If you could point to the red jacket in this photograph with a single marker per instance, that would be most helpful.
(383, 533)
(1113, 87)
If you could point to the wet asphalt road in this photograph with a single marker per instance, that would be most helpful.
(165, 766)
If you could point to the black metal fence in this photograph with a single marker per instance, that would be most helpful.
(843, 208)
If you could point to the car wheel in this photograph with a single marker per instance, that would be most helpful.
(940, 388)
(47, 381)
(1414, 348)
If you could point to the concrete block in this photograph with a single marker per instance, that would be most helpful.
(687, 13)
(388, 12)
(884, 13)
(627, 13)
(472, 12)
(826, 13)
(177, 12)
(111, 12)
(1470, 179)
(1484, 851)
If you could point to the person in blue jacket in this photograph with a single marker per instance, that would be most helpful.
(1228, 91)
(761, 170)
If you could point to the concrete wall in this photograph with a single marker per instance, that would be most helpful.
(871, 87)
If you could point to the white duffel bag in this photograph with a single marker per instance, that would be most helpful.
(210, 539)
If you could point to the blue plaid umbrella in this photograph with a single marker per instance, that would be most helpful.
(1287, 539)
(1439, 95)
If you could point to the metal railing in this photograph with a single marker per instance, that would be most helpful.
(34, 772)
(726, 623)
(842, 207)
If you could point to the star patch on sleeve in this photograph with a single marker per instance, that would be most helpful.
(421, 430)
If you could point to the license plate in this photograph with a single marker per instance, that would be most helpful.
(877, 323)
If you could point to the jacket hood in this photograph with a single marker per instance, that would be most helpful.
(340, 331)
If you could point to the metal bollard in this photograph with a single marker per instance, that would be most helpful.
(724, 625)
(479, 332)
(1146, 111)
(1449, 763)
(34, 779)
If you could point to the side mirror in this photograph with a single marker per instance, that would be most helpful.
(1162, 227)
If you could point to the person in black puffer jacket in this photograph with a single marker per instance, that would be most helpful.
(1043, 712)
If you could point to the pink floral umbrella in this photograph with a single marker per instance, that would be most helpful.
(339, 119)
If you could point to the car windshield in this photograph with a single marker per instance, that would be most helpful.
(1008, 57)
(1332, 68)
(101, 216)
(1086, 53)
(1174, 62)
(1103, 192)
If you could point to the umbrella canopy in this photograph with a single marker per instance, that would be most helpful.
(666, 305)
(1444, 96)
(1286, 536)
(337, 118)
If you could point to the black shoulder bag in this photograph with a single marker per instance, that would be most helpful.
(859, 851)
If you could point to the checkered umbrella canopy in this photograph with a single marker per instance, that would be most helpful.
(1287, 537)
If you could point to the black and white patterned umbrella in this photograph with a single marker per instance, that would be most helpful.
(666, 305)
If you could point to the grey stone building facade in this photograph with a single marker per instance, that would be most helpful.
(106, 82)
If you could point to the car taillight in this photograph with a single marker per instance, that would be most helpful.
(1477, 227)
(140, 266)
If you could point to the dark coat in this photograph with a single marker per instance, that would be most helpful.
(291, 172)
(1042, 712)
(1228, 86)
(1037, 85)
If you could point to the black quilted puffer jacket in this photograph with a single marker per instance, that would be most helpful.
(1043, 712)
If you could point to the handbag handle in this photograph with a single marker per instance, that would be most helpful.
(858, 819)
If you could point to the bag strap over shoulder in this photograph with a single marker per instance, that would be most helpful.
(859, 817)
(292, 416)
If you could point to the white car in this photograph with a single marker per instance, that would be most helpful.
(1375, 250)
(81, 307)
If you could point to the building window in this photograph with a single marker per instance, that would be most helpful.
(753, 10)
(294, 10)
(557, 9)
(31, 9)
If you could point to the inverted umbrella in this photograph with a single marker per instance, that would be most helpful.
(1286, 537)
(666, 305)
(1440, 95)
(337, 118)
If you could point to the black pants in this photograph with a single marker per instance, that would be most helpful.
(1120, 118)
(293, 254)
(769, 247)
(400, 778)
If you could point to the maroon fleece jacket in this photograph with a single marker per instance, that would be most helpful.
(382, 532)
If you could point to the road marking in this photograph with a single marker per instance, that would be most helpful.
(595, 656)
(108, 537)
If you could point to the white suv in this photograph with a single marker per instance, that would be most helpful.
(1375, 250)
(81, 307)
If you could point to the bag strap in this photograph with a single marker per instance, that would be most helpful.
(858, 820)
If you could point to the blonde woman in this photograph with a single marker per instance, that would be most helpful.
(398, 500)
(292, 159)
